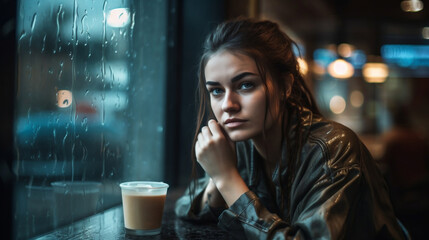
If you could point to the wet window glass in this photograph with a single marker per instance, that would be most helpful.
(90, 112)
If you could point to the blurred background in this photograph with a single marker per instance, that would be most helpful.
(99, 92)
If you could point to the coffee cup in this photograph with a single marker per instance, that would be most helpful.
(143, 206)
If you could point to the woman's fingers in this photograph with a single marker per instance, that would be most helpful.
(205, 131)
(215, 129)
(213, 150)
(200, 138)
(203, 138)
(219, 132)
(210, 135)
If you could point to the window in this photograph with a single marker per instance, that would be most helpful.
(90, 106)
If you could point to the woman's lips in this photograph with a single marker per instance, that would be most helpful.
(233, 123)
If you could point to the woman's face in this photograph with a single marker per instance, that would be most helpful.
(237, 95)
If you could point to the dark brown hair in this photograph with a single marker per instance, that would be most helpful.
(272, 51)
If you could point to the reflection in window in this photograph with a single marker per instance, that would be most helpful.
(89, 106)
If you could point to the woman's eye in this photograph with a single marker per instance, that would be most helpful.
(215, 91)
(246, 85)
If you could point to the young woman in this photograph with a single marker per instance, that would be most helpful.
(275, 168)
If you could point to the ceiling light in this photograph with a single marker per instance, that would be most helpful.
(412, 5)
(340, 68)
(375, 72)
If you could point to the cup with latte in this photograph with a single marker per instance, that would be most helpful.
(143, 205)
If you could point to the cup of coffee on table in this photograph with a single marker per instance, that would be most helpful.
(143, 204)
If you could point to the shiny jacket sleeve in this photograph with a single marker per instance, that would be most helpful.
(188, 206)
(337, 193)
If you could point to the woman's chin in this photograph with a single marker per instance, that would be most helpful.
(236, 136)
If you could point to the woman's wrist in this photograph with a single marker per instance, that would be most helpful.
(212, 196)
(231, 186)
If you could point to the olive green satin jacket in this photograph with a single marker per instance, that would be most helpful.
(337, 192)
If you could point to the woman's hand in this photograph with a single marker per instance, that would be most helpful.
(215, 152)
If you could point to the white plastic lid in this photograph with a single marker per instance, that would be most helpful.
(148, 188)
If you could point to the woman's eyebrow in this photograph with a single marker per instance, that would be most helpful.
(234, 79)
(211, 83)
(242, 75)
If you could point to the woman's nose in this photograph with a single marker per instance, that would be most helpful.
(230, 102)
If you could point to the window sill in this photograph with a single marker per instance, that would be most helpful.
(110, 225)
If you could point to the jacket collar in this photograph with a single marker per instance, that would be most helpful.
(306, 119)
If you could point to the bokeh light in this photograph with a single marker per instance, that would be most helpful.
(412, 5)
(375, 72)
(340, 69)
(345, 50)
(118, 17)
(356, 98)
(337, 104)
(64, 98)
(303, 66)
(425, 32)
